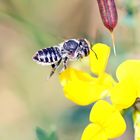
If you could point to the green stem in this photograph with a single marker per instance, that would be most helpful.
(136, 118)
(113, 43)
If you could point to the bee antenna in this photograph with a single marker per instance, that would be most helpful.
(94, 53)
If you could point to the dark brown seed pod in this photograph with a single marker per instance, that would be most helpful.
(108, 13)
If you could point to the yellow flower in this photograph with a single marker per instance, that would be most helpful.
(84, 89)
(106, 122)
(125, 92)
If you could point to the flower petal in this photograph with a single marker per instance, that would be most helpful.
(124, 94)
(98, 66)
(80, 87)
(130, 68)
(83, 89)
(83, 93)
(94, 132)
(109, 118)
(71, 74)
(106, 80)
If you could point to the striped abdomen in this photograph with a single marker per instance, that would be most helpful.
(47, 55)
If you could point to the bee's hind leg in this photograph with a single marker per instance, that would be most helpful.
(53, 70)
(54, 67)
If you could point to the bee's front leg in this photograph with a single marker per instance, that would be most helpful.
(65, 61)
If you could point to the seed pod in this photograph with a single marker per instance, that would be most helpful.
(108, 13)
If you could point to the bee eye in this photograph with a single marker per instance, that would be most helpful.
(83, 42)
(80, 43)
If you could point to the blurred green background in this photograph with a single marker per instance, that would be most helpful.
(32, 108)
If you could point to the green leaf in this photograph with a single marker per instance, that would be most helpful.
(41, 134)
(53, 136)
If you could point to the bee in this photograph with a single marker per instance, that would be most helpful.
(69, 50)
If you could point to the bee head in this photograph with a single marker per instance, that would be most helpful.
(70, 46)
(85, 47)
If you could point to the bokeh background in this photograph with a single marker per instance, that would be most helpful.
(32, 108)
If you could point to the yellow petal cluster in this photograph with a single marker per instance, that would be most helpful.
(106, 122)
(84, 89)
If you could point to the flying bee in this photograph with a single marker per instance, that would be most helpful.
(69, 50)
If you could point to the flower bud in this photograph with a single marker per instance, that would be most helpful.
(108, 13)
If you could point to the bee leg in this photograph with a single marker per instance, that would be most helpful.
(53, 70)
(54, 67)
(64, 64)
